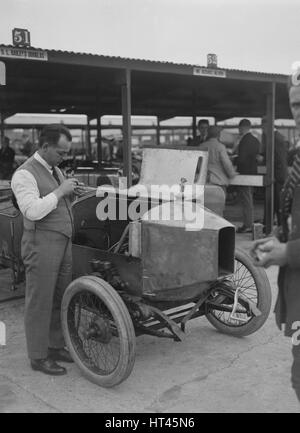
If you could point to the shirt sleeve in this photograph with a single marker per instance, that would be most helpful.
(27, 194)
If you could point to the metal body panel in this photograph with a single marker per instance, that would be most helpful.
(174, 257)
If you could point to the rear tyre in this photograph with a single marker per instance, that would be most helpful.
(98, 331)
(253, 284)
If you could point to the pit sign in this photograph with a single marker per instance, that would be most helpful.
(21, 37)
(2, 74)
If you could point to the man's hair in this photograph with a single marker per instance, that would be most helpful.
(6, 140)
(214, 131)
(203, 122)
(245, 122)
(51, 134)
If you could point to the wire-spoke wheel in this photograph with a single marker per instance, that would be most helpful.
(98, 331)
(252, 283)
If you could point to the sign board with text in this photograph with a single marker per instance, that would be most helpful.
(209, 72)
(23, 53)
(2, 74)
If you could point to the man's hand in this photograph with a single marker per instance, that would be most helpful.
(67, 187)
(269, 251)
(81, 189)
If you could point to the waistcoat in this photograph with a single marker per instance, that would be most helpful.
(59, 219)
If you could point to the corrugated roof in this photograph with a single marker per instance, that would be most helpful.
(155, 62)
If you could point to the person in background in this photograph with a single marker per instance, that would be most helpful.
(248, 150)
(203, 125)
(280, 166)
(220, 168)
(27, 146)
(7, 157)
(283, 250)
(189, 141)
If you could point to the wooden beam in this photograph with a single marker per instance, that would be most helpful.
(126, 114)
(88, 139)
(194, 127)
(270, 117)
(247, 180)
(2, 129)
(99, 140)
(158, 132)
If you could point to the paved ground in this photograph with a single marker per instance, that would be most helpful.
(207, 372)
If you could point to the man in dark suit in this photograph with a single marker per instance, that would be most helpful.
(203, 125)
(248, 150)
(44, 198)
(280, 166)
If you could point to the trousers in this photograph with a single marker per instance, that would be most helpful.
(246, 201)
(277, 191)
(295, 376)
(47, 257)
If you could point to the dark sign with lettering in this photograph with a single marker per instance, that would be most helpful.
(21, 37)
(2, 74)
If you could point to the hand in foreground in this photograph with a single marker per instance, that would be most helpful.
(269, 251)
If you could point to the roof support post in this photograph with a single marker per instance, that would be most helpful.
(99, 140)
(194, 127)
(270, 117)
(88, 139)
(33, 135)
(158, 132)
(126, 115)
(2, 128)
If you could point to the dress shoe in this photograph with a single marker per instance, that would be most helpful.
(47, 366)
(61, 355)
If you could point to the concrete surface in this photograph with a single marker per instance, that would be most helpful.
(207, 372)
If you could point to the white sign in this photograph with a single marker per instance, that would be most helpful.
(2, 334)
(206, 72)
(22, 53)
(2, 74)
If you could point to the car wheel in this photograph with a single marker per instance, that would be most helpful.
(98, 331)
(254, 285)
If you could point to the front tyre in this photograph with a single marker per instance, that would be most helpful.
(253, 284)
(98, 331)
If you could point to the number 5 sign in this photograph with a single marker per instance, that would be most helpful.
(21, 37)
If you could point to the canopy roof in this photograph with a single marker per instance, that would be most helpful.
(47, 81)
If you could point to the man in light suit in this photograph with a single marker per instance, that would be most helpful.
(43, 196)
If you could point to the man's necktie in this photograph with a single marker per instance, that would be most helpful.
(55, 175)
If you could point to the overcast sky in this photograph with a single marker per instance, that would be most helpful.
(258, 35)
